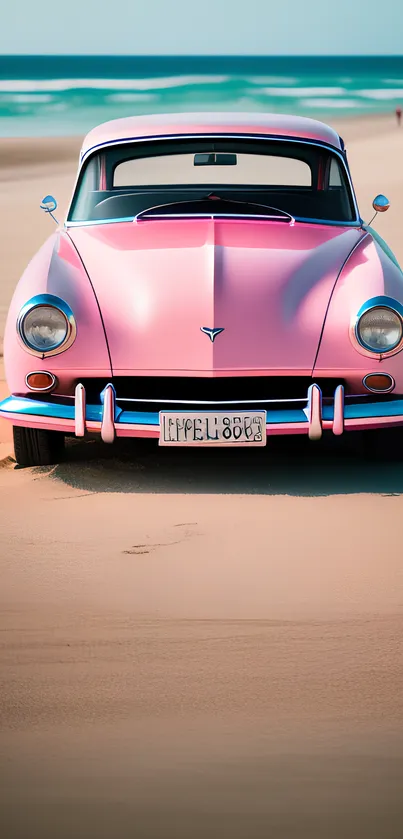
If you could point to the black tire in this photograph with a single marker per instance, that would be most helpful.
(36, 446)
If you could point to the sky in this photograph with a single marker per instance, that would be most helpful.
(202, 27)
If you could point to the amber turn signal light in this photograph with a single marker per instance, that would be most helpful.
(40, 381)
(378, 382)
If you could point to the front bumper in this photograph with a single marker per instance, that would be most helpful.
(311, 416)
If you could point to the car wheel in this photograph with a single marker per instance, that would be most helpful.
(36, 446)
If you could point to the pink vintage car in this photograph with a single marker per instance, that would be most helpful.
(212, 284)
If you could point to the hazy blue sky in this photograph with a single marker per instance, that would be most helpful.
(202, 26)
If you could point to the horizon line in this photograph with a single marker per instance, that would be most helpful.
(200, 55)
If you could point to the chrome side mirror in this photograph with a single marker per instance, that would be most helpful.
(380, 205)
(48, 205)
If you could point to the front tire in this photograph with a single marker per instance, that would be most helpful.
(37, 446)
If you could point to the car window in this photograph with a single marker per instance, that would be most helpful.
(306, 180)
(181, 169)
(335, 177)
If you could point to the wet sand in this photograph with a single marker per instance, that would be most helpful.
(201, 645)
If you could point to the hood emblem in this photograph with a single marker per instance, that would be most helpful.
(212, 333)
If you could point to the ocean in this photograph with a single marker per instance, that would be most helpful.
(67, 95)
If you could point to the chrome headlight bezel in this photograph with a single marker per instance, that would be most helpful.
(377, 303)
(49, 300)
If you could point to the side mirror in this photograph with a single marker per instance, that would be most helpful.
(381, 204)
(48, 205)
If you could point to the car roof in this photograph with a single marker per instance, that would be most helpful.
(165, 125)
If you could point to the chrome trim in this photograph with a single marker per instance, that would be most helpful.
(313, 412)
(380, 302)
(98, 221)
(328, 223)
(214, 402)
(297, 219)
(56, 303)
(376, 390)
(338, 411)
(108, 414)
(222, 135)
(143, 215)
(225, 135)
(79, 410)
(234, 401)
(231, 216)
(222, 401)
(41, 389)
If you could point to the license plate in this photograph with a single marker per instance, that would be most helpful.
(211, 429)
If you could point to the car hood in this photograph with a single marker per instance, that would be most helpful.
(267, 285)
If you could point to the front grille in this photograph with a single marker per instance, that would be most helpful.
(185, 389)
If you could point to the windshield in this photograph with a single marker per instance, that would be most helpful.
(305, 181)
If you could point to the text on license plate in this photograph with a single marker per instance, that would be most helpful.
(192, 429)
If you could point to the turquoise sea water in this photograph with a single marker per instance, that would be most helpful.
(59, 95)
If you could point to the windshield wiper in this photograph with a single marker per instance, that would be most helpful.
(163, 210)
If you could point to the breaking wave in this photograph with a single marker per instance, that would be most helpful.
(79, 95)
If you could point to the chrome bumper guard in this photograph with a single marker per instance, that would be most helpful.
(108, 401)
(313, 412)
(79, 410)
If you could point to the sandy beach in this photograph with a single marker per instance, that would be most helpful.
(198, 646)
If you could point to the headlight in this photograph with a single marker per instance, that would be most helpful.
(380, 329)
(46, 325)
(44, 328)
